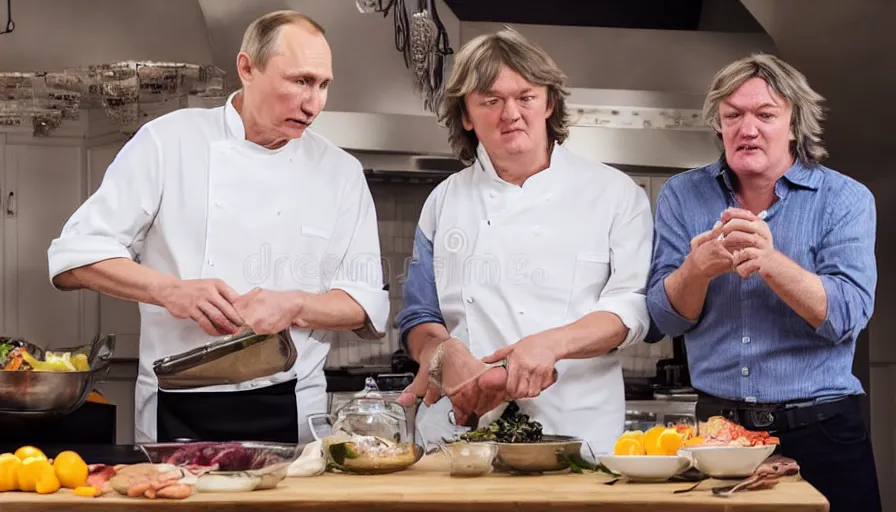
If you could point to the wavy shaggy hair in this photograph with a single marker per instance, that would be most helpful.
(787, 82)
(476, 68)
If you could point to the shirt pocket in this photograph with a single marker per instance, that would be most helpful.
(591, 273)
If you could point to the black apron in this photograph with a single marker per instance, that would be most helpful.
(264, 414)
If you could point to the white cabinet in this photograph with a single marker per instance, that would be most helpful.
(41, 186)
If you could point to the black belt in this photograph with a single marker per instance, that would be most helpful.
(779, 417)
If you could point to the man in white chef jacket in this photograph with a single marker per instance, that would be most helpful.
(531, 255)
(238, 215)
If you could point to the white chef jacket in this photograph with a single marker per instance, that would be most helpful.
(189, 196)
(509, 261)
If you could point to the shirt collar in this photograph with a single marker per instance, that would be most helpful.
(798, 174)
(236, 130)
(485, 164)
(235, 126)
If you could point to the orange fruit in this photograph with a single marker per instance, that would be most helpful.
(694, 441)
(71, 470)
(669, 442)
(628, 446)
(651, 440)
(637, 435)
(26, 452)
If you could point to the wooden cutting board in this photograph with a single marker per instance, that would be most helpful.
(428, 487)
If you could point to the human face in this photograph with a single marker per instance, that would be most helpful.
(511, 118)
(756, 130)
(291, 91)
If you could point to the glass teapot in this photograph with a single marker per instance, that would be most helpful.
(372, 433)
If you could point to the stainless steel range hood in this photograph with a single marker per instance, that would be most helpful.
(624, 128)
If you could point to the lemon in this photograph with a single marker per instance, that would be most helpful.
(26, 452)
(71, 470)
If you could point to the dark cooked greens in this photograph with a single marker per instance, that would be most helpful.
(515, 429)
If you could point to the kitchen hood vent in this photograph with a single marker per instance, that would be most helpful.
(381, 166)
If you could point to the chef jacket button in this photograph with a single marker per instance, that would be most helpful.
(521, 312)
(470, 300)
(745, 339)
(745, 371)
(491, 194)
(536, 230)
(218, 205)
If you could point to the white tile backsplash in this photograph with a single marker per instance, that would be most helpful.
(398, 207)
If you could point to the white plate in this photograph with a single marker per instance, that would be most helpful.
(727, 461)
(646, 468)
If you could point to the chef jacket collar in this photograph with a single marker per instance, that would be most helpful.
(236, 130)
(537, 180)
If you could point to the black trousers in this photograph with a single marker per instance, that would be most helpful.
(264, 414)
(834, 454)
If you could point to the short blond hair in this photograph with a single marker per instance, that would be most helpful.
(787, 82)
(476, 68)
(260, 39)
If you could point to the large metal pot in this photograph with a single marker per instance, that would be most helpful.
(44, 393)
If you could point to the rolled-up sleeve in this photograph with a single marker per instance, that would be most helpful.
(360, 269)
(671, 245)
(421, 300)
(846, 264)
(624, 293)
(114, 219)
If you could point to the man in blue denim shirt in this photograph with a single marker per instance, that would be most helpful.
(764, 261)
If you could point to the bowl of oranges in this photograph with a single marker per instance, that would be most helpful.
(652, 456)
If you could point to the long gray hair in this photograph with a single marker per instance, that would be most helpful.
(787, 82)
(476, 68)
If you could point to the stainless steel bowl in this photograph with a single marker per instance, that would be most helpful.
(550, 454)
(264, 463)
(36, 393)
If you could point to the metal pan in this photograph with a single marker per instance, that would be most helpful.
(242, 357)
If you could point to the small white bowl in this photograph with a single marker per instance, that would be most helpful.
(727, 461)
(646, 468)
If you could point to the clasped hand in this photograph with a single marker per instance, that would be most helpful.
(741, 242)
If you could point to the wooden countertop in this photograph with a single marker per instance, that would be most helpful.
(428, 487)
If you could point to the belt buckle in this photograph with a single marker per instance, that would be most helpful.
(761, 418)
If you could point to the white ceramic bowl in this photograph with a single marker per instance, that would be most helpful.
(727, 461)
(646, 468)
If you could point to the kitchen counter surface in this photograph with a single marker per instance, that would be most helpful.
(427, 487)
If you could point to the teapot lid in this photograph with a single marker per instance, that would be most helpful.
(367, 401)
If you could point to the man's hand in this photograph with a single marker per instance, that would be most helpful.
(749, 239)
(207, 301)
(530, 366)
(709, 257)
(451, 370)
(268, 312)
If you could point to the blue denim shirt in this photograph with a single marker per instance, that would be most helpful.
(747, 343)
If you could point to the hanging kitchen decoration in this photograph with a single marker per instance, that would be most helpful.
(429, 49)
(131, 93)
(422, 41)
